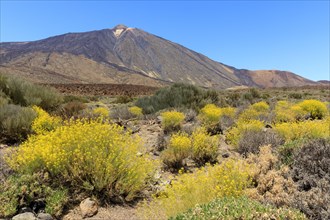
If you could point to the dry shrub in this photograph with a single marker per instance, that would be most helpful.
(273, 185)
(121, 112)
(72, 109)
(311, 171)
(252, 140)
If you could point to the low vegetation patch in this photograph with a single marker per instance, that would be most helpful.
(229, 179)
(34, 191)
(177, 96)
(238, 208)
(24, 93)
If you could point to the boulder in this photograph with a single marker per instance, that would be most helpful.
(25, 216)
(88, 208)
(44, 216)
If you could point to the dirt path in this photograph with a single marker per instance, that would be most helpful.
(106, 213)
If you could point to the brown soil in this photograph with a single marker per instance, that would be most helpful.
(111, 212)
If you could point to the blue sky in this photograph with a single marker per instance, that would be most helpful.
(283, 35)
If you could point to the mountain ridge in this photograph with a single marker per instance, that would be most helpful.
(125, 55)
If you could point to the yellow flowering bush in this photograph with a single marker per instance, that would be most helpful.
(254, 112)
(44, 123)
(210, 114)
(101, 112)
(228, 179)
(90, 154)
(305, 129)
(234, 134)
(260, 106)
(283, 112)
(179, 148)
(172, 120)
(204, 146)
(288, 112)
(315, 108)
(136, 111)
(228, 112)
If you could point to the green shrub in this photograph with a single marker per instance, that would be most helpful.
(251, 95)
(90, 155)
(25, 93)
(15, 122)
(295, 95)
(177, 96)
(24, 190)
(286, 151)
(238, 208)
(124, 99)
(73, 98)
(4, 99)
(172, 120)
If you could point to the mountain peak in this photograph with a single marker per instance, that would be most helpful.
(118, 29)
(120, 26)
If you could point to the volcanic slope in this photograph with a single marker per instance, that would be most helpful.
(124, 55)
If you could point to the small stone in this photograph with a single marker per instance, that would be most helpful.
(25, 216)
(44, 216)
(88, 208)
(225, 155)
(159, 119)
